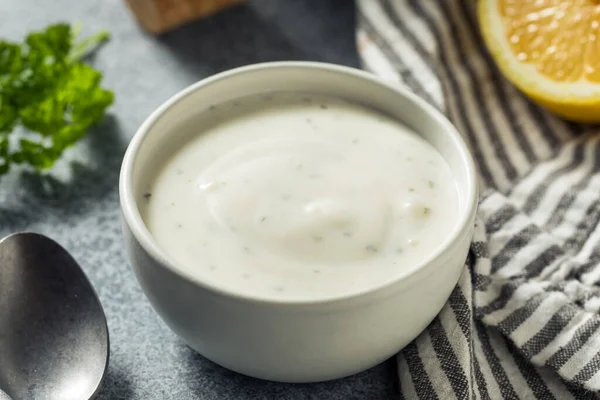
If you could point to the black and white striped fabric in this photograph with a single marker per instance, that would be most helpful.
(524, 321)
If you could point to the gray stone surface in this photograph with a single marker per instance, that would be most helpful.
(77, 202)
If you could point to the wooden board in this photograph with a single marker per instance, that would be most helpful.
(158, 16)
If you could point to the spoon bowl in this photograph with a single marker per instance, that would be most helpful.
(53, 334)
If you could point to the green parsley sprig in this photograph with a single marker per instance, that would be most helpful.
(46, 88)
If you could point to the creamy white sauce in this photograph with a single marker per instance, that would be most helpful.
(297, 196)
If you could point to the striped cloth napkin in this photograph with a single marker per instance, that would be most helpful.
(524, 320)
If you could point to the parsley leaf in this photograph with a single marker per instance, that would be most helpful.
(47, 89)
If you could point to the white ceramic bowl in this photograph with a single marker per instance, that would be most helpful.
(296, 341)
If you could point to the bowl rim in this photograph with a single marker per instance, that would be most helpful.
(132, 217)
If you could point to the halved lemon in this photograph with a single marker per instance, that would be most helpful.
(550, 49)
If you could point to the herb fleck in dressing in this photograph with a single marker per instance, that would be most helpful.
(290, 210)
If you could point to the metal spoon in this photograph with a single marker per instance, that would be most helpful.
(53, 332)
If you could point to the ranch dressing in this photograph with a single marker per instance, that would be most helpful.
(297, 196)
